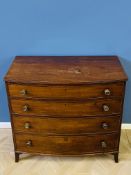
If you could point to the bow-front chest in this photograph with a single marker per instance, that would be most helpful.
(66, 105)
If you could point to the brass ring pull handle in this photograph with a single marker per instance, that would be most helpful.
(27, 125)
(103, 144)
(105, 125)
(107, 92)
(23, 92)
(29, 143)
(106, 108)
(25, 108)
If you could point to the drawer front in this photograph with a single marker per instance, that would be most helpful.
(66, 125)
(57, 108)
(66, 145)
(62, 92)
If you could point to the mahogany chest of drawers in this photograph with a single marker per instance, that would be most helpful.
(67, 106)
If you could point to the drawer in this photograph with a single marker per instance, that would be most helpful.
(66, 145)
(66, 125)
(74, 108)
(62, 92)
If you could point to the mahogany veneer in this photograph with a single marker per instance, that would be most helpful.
(63, 105)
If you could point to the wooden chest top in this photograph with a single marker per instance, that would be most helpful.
(65, 70)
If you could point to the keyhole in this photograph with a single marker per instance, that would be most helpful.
(65, 91)
(65, 139)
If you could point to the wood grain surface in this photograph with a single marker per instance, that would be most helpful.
(65, 69)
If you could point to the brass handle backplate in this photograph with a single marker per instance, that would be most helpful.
(23, 92)
(29, 143)
(25, 108)
(105, 125)
(27, 125)
(107, 92)
(106, 108)
(103, 144)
